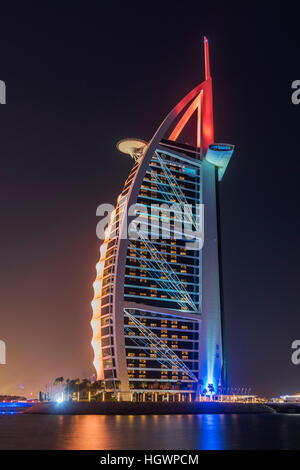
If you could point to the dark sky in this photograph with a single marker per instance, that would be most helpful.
(79, 78)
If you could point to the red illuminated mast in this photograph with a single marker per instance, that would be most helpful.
(206, 58)
(204, 106)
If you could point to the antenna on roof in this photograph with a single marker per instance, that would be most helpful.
(206, 58)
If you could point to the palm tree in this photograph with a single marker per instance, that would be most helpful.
(89, 383)
(178, 384)
(77, 382)
(102, 387)
(58, 382)
(68, 386)
(96, 388)
(144, 385)
(211, 390)
(118, 384)
(155, 385)
(72, 384)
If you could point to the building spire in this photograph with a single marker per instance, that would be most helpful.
(206, 58)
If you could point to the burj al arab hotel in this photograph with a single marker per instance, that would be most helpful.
(158, 330)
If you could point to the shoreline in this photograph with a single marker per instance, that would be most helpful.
(149, 408)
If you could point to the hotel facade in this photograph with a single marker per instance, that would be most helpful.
(157, 310)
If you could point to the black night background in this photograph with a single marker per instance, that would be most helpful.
(82, 76)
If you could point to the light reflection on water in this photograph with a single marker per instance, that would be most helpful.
(277, 431)
(13, 408)
(213, 433)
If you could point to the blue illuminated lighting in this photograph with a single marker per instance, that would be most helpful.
(13, 408)
(219, 155)
(211, 433)
(220, 147)
(190, 171)
(59, 398)
(13, 404)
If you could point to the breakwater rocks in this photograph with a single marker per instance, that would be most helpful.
(289, 408)
(138, 408)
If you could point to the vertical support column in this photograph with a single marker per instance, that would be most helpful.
(211, 330)
(224, 364)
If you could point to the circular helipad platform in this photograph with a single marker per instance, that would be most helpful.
(133, 147)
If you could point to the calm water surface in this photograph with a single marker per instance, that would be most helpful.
(273, 431)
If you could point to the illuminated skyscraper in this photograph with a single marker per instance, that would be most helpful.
(157, 310)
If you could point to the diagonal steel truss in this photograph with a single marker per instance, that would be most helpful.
(175, 188)
(172, 278)
(172, 281)
(165, 285)
(165, 355)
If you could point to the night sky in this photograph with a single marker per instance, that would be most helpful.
(79, 78)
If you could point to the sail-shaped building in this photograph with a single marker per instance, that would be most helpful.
(157, 310)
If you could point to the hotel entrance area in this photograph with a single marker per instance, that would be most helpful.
(172, 397)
